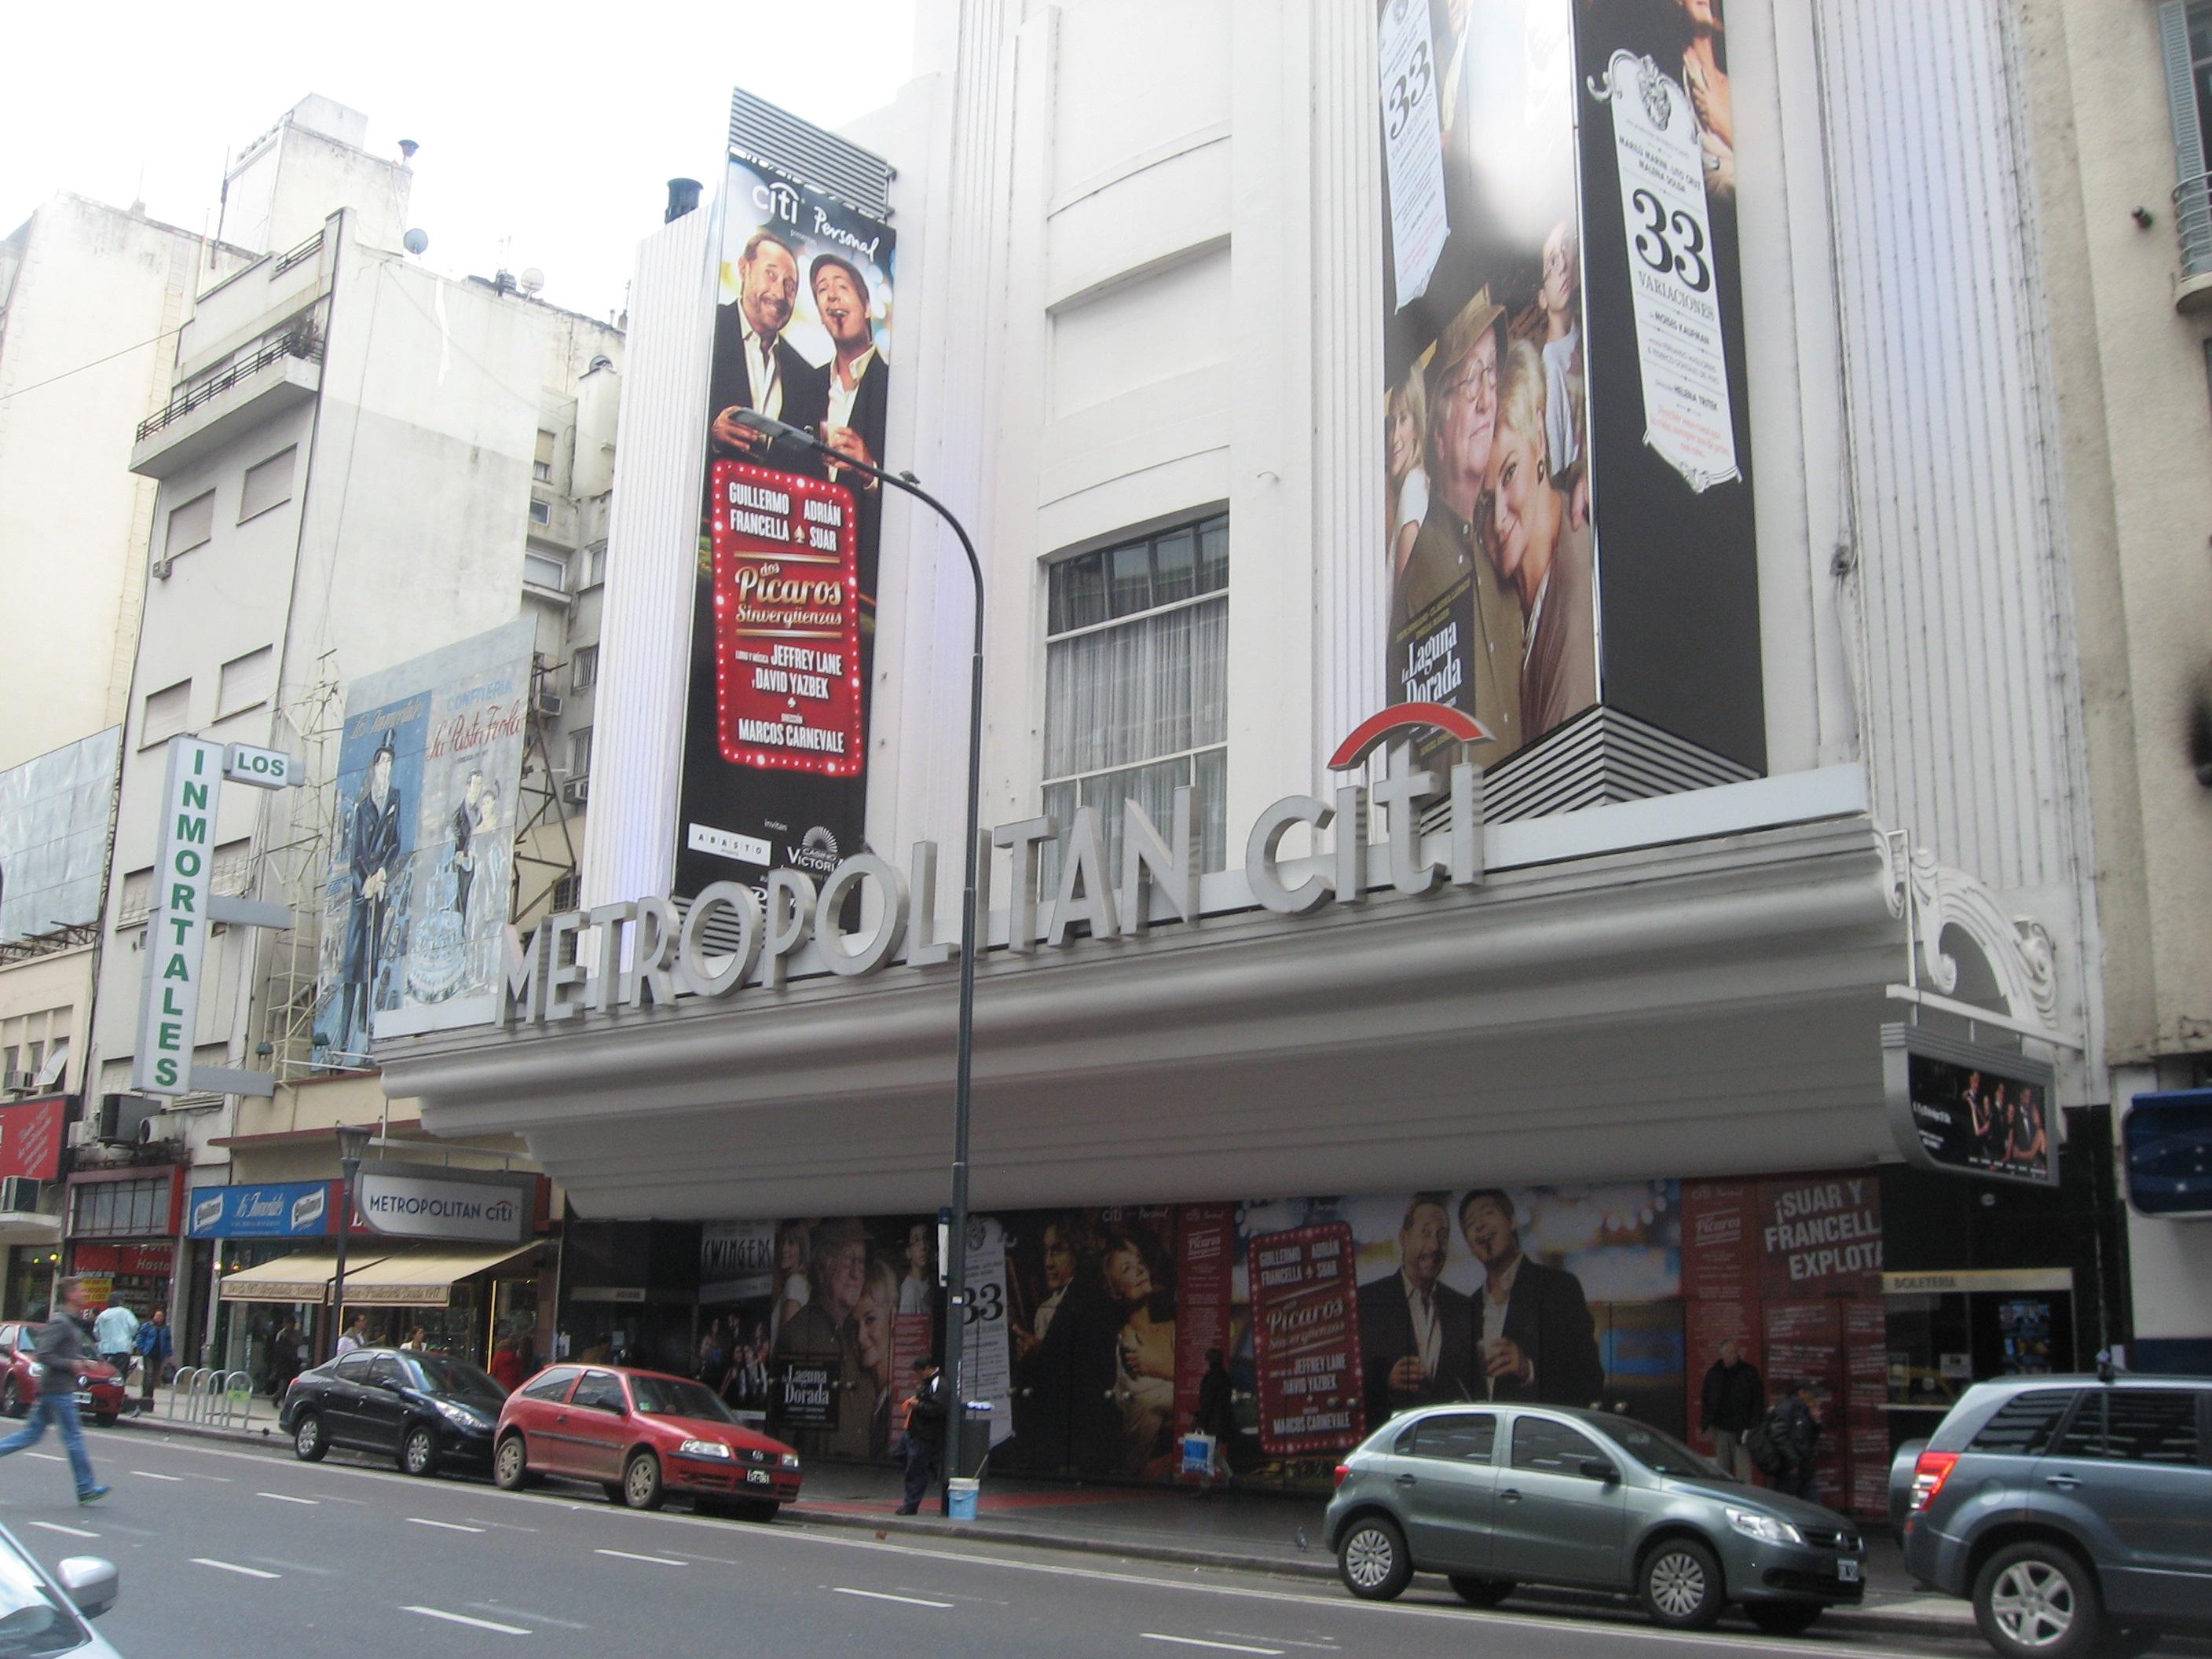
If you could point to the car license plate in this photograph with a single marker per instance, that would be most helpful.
(759, 1478)
(1848, 1571)
(84, 1399)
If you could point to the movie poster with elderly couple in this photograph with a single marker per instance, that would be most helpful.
(1566, 498)
(783, 609)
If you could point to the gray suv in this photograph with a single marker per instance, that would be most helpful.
(1501, 1496)
(2066, 1507)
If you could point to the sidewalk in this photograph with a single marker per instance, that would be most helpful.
(1263, 1531)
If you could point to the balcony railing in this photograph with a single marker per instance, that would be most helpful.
(307, 347)
(2192, 223)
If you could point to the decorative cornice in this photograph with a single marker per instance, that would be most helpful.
(1938, 902)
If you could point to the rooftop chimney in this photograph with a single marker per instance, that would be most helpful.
(682, 198)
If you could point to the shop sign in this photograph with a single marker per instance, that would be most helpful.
(288, 1209)
(648, 957)
(407, 1201)
(737, 1261)
(809, 1391)
(2016, 1280)
(31, 1138)
(1966, 1108)
(147, 1260)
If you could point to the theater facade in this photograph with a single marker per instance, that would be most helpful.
(1503, 869)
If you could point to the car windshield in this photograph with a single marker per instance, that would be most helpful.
(32, 1619)
(668, 1396)
(1662, 1454)
(457, 1379)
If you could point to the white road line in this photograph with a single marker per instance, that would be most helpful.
(524, 1613)
(449, 1526)
(73, 1531)
(297, 1567)
(885, 1596)
(473, 1624)
(657, 1560)
(148, 1474)
(280, 1498)
(1201, 1642)
(46, 1458)
(232, 1566)
(504, 1526)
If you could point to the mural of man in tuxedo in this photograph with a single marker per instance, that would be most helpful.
(755, 366)
(1534, 1337)
(372, 864)
(1416, 1333)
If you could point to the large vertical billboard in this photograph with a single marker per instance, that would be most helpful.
(783, 607)
(1567, 499)
(54, 815)
(417, 898)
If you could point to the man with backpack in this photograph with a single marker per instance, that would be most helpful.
(1784, 1443)
(925, 1431)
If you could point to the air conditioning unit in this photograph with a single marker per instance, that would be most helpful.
(546, 705)
(122, 1117)
(20, 1195)
(576, 790)
(19, 1083)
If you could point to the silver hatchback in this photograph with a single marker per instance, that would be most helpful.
(1494, 1498)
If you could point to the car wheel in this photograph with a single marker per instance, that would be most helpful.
(1481, 1592)
(307, 1442)
(2036, 1600)
(510, 1464)
(1681, 1584)
(418, 1450)
(641, 1483)
(11, 1398)
(1783, 1617)
(1371, 1559)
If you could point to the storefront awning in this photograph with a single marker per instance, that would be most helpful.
(423, 1278)
(304, 1276)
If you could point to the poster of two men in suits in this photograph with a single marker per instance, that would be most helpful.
(801, 288)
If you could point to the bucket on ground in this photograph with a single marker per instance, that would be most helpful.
(960, 1494)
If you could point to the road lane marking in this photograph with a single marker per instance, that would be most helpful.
(524, 1613)
(233, 1567)
(280, 1498)
(1201, 1642)
(73, 1531)
(885, 1595)
(46, 1458)
(657, 1560)
(449, 1526)
(297, 1567)
(464, 1619)
(148, 1474)
(504, 1526)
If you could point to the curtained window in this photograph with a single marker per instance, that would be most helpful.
(1136, 684)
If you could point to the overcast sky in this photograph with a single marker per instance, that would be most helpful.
(547, 131)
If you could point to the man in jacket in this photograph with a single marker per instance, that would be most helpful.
(155, 1345)
(60, 1350)
(1794, 1426)
(1215, 1416)
(115, 1336)
(925, 1431)
(1415, 1333)
(1727, 1406)
(1534, 1337)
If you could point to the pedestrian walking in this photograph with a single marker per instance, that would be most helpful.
(156, 1344)
(354, 1336)
(115, 1337)
(60, 1351)
(1793, 1428)
(924, 1432)
(1728, 1405)
(1217, 1416)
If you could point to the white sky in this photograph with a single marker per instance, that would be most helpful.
(547, 131)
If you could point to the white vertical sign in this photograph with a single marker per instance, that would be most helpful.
(1411, 151)
(176, 932)
(1687, 420)
(989, 1359)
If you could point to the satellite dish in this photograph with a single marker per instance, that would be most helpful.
(416, 241)
(531, 280)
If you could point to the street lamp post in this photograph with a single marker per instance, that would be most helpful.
(353, 1141)
(956, 1260)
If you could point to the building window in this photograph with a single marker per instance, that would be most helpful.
(541, 468)
(2186, 37)
(541, 512)
(545, 570)
(1136, 681)
(267, 483)
(190, 525)
(595, 564)
(580, 752)
(584, 668)
(120, 1209)
(568, 895)
(245, 684)
(168, 713)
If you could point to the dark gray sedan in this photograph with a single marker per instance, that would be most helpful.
(1497, 1496)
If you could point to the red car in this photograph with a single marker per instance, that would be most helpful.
(641, 1434)
(99, 1389)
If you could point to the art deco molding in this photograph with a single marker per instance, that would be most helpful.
(1940, 905)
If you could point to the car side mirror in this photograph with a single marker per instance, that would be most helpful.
(1598, 1468)
(93, 1584)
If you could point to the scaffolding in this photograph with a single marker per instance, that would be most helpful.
(295, 871)
(544, 845)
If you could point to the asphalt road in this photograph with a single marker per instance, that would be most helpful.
(233, 1553)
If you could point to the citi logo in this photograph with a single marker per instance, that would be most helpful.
(778, 199)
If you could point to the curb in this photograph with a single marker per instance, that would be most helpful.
(1881, 1619)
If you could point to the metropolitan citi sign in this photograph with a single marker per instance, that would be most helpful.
(669, 955)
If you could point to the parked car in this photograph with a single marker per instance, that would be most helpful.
(641, 1434)
(99, 1388)
(423, 1410)
(44, 1612)
(1499, 1496)
(2065, 1508)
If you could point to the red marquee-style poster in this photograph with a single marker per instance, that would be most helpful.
(1305, 1340)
